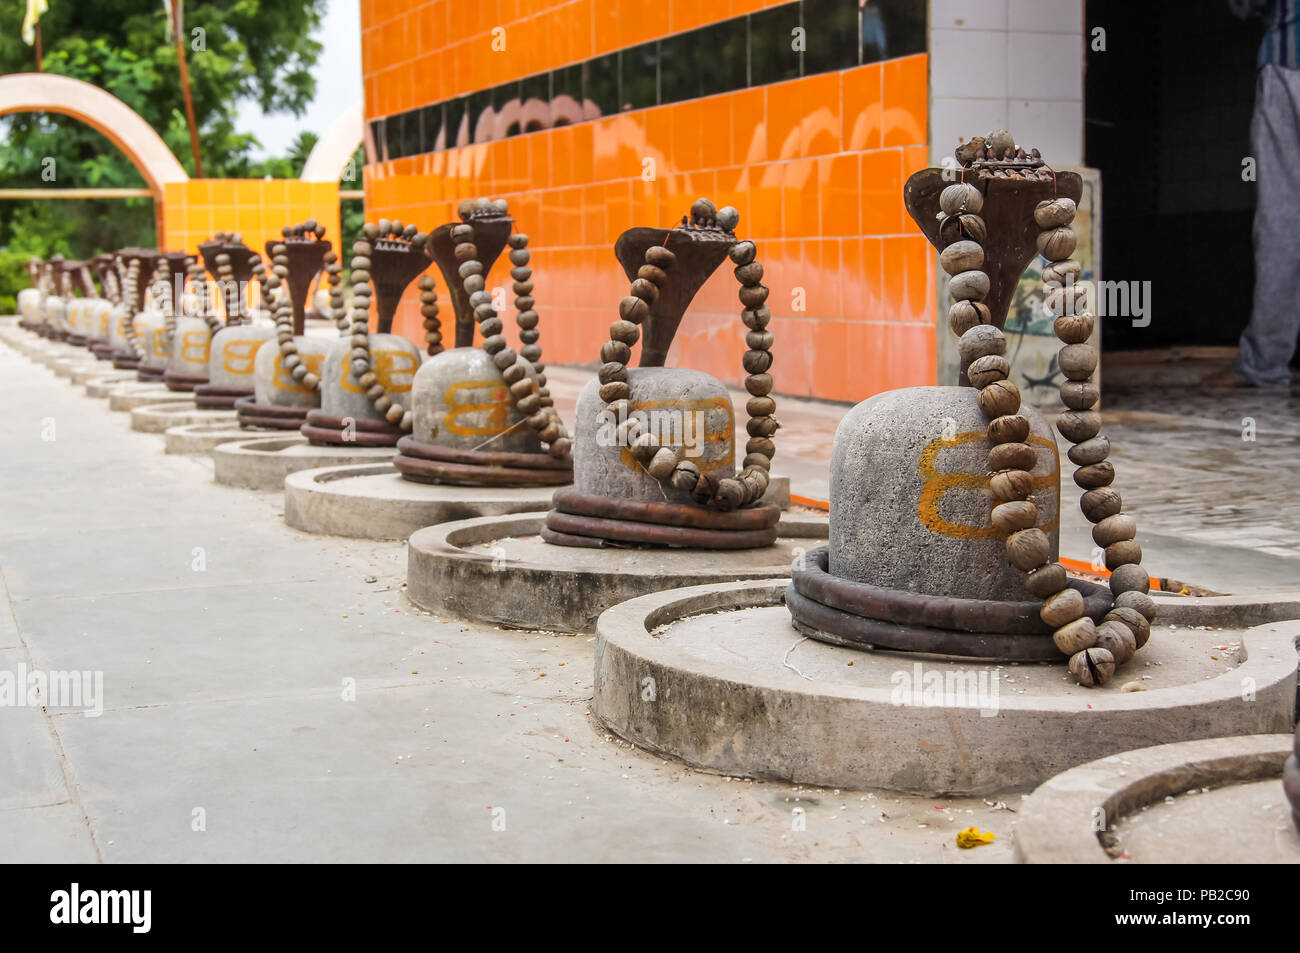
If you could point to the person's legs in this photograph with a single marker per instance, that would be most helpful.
(1270, 339)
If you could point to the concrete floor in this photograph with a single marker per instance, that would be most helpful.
(226, 642)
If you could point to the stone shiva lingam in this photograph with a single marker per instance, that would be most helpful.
(482, 415)
(357, 421)
(110, 292)
(287, 366)
(134, 266)
(658, 499)
(365, 374)
(231, 349)
(192, 326)
(958, 555)
(29, 299)
(655, 457)
(484, 435)
(76, 278)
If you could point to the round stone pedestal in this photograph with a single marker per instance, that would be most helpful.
(67, 366)
(376, 502)
(262, 463)
(499, 570)
(130, 396)
(203, 437)
(105, 382)
(717, 677)
(1212, 801)
(159, 418)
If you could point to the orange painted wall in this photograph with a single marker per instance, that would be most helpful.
(815, 166)
(255, 208)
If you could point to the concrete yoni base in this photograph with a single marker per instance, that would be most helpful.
(84, 375)
(158, 418)
(264, 462)
(716, 677)
(499, 570)
(374, 501)
(130, 396)
(202, 438)
(1213, 801)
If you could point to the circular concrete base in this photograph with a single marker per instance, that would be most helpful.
(103, 384)
(84, 375)
(376, 502)
(55, 351)
(717, 677)
(264, 462)
(66, 367)
(202, 438)
(126, 397)
(498, 569)
(1213, 801)
(159, 418)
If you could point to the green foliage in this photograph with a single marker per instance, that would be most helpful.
(244, 49)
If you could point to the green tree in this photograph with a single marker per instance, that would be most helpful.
(238, 50)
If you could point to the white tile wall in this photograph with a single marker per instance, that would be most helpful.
(1012, 63)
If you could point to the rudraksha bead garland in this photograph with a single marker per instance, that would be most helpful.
(521, 274)
(531, 394)
(282, 312)
(158, 285)
(1094, 650)
(429, 311)
(112, 290)
(334, 276)
(202, 293)
(362, 362)
(666, 464)
(258, 268)
(129, 285)
(230, 295)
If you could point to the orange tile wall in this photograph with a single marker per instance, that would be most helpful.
(254, 208)
(815, 166)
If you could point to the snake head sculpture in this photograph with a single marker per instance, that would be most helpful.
(492, 227)
(1012, 181)
(701, 243)
(397, 254)
(305, 249)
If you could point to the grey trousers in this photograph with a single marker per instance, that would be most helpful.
(1269, 340)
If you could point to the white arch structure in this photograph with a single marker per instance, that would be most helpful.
(332, 152)
(102, 111)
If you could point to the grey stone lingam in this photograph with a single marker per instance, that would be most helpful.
(482, 416)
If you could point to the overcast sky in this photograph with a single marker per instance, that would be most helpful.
(338, 83)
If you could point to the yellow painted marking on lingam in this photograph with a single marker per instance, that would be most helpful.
(237, 356)
(158, 343)
(283, 380)
(498, 406)
(386, 365)
(937, 484)
(705, 404)
(194, 347)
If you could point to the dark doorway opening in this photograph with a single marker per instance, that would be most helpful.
(1167, 107)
